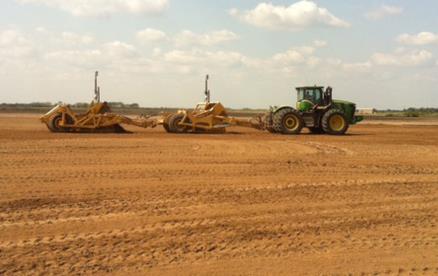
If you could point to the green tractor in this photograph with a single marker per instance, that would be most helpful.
(316, 110)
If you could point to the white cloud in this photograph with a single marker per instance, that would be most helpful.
(25, 50)
(120, 50)
(197, 57)
(41, 30)
(65, 39)
(11, 37)
(103, 8)
(226, 58)
(71, 52)
(181, 57)
(103, 56)
(384, 11)
(151, 35)
(357, 67)
(294, 56)
(335, 65)
(156, 52)
(187, 37)
(74, 38)
(320, 43)
(292, 61)
(401, 57)
(422, 38)
(14, 44)
(300, 59)
(77, 58)
(294, 17)
(313, 61)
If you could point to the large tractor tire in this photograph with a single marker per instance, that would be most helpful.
(173, 123)
(287, 121)
(316, 130)
(334, 122)
(54, 122)
(270, 129)
(166, 123)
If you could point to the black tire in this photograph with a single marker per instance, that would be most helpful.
(316, 130)
(166, 127)
(173, 122)
(50, 127)
(54, 126)
(287, 121)
(270, 129)
(334, 122)
(166, 124)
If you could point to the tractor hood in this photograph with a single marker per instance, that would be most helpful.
(349, 110)
(343, 102)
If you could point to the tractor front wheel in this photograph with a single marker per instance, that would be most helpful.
(334, 122)
(288, 121)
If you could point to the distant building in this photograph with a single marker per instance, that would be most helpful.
(116, 104)
(366, 111)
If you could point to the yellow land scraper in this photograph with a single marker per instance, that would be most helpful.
(210, 117)
(98, 118)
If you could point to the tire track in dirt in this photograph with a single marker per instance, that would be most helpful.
(289, 193)
(199, 242)
(149, 201)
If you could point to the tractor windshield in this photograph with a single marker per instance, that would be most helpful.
(309, 94)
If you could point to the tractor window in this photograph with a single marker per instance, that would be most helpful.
(316, 96)
(309, 95)
(300, 95)
(312, 95)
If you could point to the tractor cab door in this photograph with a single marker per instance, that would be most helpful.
(328, 99)
(309, 97)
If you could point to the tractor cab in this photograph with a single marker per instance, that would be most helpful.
(311, 97)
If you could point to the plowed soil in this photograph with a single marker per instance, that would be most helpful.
(245, 202)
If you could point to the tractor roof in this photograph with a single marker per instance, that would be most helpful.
(306, 87)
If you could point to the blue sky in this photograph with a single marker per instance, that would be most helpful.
(381, 54)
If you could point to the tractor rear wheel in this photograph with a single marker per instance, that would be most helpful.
(173, 123)
(334, 122)
(270, 129)
(287, 121)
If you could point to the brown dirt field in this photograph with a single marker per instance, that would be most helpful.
(243, 203)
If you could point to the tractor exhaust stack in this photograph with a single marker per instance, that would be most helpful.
(207, 91)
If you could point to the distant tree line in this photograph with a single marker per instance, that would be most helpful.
(119, 107)
(133, 108)
(411, 111)
(77, 105)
